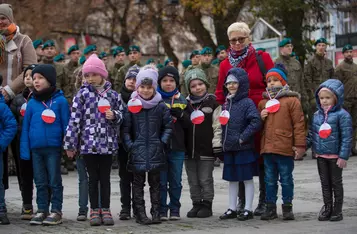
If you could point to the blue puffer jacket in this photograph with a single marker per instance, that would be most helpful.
(8, 126)
(340, 140)
(145, 135)
(38, 134)
(244, 119)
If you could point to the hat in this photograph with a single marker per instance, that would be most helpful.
(82, 59)
(278, 71)
(147, 72)
(72, 48)
(206, 50)
(30, 67)
(171, 72)
(193, 53)
(347, 47)
(102, 55)
(186, 63)
(48, 71)
(150, 60)
(133, 48)
(167, 61)
(117, 50)
(220, 48)
(260, 49)
(95, 65)
(89, 49)
(159, 66)
(231, 78)
(195, 74)
(321, 40)
(48, 43)
(59, 57)
(6, 10)
(132, 72)
(285, 41)
(37, 43)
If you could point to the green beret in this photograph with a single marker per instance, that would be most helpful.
(159, 66)
(59, 57)
(347, 47)
(260, 49)
(89, 49)
(133, 48)
(72, 48)
(285, 42)
(186, 63)
(117, 50)
(102, 55)
(167, 61)
(48, 43)
(150, 60)
(37, 43)
(193, 53)
(220, 48)
(215, 61)
(206, 50)
(321, 40)
(82, 59)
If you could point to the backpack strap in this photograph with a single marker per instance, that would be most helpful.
(261, 65)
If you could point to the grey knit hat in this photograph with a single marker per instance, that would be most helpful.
(193, 73)
(6, 10)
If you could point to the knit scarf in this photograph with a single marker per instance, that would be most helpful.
(197, 99)
(45, 94)
(166, 94)
(237, 58)
(273, 92)
(125, 94)
(148, 104)
(6, 36)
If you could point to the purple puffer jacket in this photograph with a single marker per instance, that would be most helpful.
(88, 131)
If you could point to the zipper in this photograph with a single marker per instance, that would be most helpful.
(193, 143)
(225, 135)
(147, 139)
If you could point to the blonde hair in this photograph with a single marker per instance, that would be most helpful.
(238, 27)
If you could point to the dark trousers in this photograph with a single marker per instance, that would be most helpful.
(98, 168)
(126, 179)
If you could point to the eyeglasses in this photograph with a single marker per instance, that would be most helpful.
(235, 40)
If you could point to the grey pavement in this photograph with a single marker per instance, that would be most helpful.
(307, 203)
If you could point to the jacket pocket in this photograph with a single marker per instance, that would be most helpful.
(283, 139)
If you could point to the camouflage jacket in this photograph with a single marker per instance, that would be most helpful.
(69, 69)
(114, 70)
(119, 78)
(211, 72)
(346, 72)
(79, 78)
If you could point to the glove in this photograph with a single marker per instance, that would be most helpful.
(176, 112)
(217, 152)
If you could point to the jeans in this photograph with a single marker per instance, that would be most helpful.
(279, 166)
(170, 181)
(2, 189)
(82, 185)
(46, 164)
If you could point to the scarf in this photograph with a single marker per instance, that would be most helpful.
(197, 99)
(148, 104)
(275, 91)
(238, 58)
(26, 93)
(125, 94)
(6, 36)
(166, 94)
(45, 94)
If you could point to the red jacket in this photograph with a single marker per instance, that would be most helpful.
(256, 84)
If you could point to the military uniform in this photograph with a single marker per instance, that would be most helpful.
(119, 79)
(69, 69)
(114, 71)
(211, 72)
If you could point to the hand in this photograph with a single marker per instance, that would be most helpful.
(264, 114)
(5, 94)
(341, 163)
(299, 152)
(71, 153)
(109, 115)
(176, 112)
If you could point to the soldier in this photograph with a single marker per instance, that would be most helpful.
(37, 44)
(169, 62)
(134, 55)
(150, 61)
(210, 70)
(221, 54)
(74, 53)
(60, 58)
(346, 71)
(195, 58)
(195, 62)
(119, 56)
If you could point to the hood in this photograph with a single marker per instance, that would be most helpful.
(243, 81)
(337, 88)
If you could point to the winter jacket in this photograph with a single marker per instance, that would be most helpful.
(88, 131)
(38, 134)
(145, 136)
(202, 139)
(340, 140)
(284, 128)
(8, 125)
(244, 119)
(15, 107)
(346, 72)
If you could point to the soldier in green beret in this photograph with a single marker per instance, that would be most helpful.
(159, 66)
(60, 58)
(150, 61)
(346, 72)
(119, 60)
(221, 54)
(195, 58)
(169, 62)
(89, 50)
(74, 53)
(37, 44)
(210, 70)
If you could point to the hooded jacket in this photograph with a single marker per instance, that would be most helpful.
(8, 125)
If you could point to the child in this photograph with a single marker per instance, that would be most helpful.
(170, 178)
(126, 177)
(43, 129)
(240, 159)
(93, 132)
(146, 136)
(331, 140)
(25, 173)
(284, 129)
(8, 129)
(203, 142)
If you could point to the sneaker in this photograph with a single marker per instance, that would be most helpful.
(38, 218)
(174, 215)
(53, 219)
(82, 216)
(95, 219)
(163, 216)
(26, 213)
(107, 218)
(229, 214)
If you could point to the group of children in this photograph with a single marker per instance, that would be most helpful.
(155, 130)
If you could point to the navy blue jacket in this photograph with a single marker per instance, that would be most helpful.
(145, 136)
(8, 126)
(244, 119)
(340, 140)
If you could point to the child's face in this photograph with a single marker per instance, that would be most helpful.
(49, 52)
(94, 79)
(232, 87)
(146, 91)
(39, 82)
(28, 79)
(198, 88)
(326, 99)
(130, 83)
(168, 84)
(273, 81)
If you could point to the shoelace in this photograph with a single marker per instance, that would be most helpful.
(38, 215)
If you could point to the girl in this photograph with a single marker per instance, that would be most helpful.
(331, 140)
(93, 132)
(240, 159)
(147, 131)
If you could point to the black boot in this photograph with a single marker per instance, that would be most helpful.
(288, 211)
(154, 182)
(4, 220)
(260, 209)
(142, 218)
(194, 211)
(139, 202)
(241, 198)
(206, 210)
(354, 152)
(325, 212)
(337, 212)
(261, 205)
(270, 212)
(125, 213)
